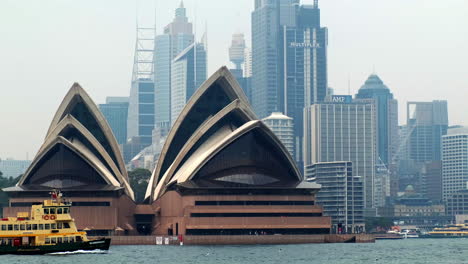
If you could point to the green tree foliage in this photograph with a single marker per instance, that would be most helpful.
(4, 183)
(139, 181)
(378, 224)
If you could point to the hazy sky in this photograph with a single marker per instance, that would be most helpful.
(418, 47)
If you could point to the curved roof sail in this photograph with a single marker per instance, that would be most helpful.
(79, 104)
(214, 94)
(79, 149)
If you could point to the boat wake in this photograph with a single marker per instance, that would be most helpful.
(95, 251)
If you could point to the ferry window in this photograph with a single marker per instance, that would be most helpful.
(47, 226)
(10, 227)
(66, 225)
(52, 210)
(65, 210)
(41, 226)
(59, 225)
(72, 239)
(28, 227)
(52, 226)
(22, 227)
(53, 240)
(46, 210)
(16, 227)
(65, 240)
(47, 240)
(4, 227)
(59, 210)
(59, 240)
(34, 227)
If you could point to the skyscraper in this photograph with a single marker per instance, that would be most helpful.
(178, 35)
(454, 161)
(140, 123)
(188, 73)
(237, 57)
(343, 132)
(426, 123)
(115, 110)
(289, 60)
(387, 116)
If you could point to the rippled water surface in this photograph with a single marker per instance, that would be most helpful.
(391, 251)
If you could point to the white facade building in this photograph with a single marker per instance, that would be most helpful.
(454, 161)
(283, 127)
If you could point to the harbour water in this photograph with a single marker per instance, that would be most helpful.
(414, 251)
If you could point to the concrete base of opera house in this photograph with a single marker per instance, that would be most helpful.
(242, 239)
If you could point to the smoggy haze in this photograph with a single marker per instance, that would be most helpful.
(418, 48)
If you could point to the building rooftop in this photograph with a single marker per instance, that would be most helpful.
(277, 115)
(374, 82)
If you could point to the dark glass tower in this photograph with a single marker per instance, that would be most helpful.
(387, 116)
(289, 60)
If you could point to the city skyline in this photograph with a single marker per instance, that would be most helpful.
(100, 57)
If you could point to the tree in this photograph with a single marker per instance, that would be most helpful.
(139, 182)
(4, 183)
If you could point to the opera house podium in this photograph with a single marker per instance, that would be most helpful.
(221, 172)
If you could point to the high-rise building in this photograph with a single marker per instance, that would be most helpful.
(237, 57)
(178, 35)
(283, 127)
(387, 116)
(341, 194)
(13, 168)
(454, 161)
(247, 63)
(426, 123)
(141, 111)
(289, 60)
(188, 73)
(345, 131)
(115, 110)
(141, 105)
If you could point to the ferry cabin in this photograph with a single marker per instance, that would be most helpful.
(48, 224)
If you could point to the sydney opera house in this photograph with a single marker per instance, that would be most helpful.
(221, 172)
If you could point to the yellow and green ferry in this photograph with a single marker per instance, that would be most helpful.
(449, 231)
(48, 228)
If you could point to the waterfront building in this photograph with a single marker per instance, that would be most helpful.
(81, 157)
(177, 36)
(381, 184)
(283, 127)
(115, 110)
(222, 172)
(454, 161)
(13, 168)
(426, 123)
(343, 129)
(188, 72)
(387, 116)
(412, 208)
(289, 61)
(341, 194)
(457, 203)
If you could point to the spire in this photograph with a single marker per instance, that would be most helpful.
(181, 4)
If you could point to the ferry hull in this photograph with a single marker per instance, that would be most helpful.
(101, 244)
